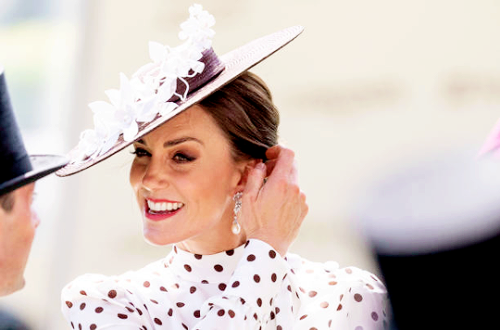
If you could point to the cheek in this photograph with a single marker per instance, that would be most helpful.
(136, 172)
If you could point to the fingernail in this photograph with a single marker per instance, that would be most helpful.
(260, 166)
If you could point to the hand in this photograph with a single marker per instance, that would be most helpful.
(273, 212)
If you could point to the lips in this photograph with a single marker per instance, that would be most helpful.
(161, 209)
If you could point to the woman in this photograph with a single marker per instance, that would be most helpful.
(210, 178)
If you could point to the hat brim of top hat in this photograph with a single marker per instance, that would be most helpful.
(235, 63)
(43, 165)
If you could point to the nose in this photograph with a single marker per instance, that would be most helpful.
(155, 176)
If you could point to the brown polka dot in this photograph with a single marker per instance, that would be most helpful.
(82, 306)
(231, 313)
(246, 244)
(324, 304)
(348, 270)
(83, 293)
(332, 283)
(146, 284)
(236, 284)
(272, 315)
(122, 316)
(93, 326)
(131, 310)
(259, 302)
(274, 277)
(170, 312)
(271, 302)
(230, 252)
(370, 286)
(197, 313)
(341, 297)
(204, 282)
(303, 316)
(256, 278)
(72, 325)
(79, 326)
(185, 326)
(358, 297)
(251, 258)
(218, 268)
(222, 286)
(139, 311)
(198, 256)
(255, 316)
(312, 293)
(99, 310)
(313, 328)
(277, 310)
(187, 268)
(279, 327)
(69, 304)
(180, 304)
(302, 290)
(272, 254)
(374, 316)
(221, 312)
(158, 321)
(154, 301)
(289, 288)
(339, 307)
(112, 294)
(162, 288)
(192, 289)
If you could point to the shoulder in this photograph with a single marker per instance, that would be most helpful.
(344, 297)
(122, 298)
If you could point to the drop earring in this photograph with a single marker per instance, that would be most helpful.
(235, 227)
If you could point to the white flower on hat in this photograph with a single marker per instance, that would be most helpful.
(150, 90)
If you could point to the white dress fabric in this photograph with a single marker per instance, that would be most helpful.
(250, 287)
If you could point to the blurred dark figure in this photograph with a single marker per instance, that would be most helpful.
(9, 321)
(435, 229)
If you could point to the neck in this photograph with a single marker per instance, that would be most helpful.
(218, 239)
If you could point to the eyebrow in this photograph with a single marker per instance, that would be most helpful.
(175, 141)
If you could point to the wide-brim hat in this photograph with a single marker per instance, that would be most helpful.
(215, 72)
(17, 168)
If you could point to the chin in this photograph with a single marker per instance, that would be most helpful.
(10, 287)
(157, 239)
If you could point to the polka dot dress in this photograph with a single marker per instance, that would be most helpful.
(250, 287)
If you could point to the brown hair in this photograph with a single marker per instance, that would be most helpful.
(7, 201)
(245, 112)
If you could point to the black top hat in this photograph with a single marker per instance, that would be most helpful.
(435, 229)
(17, 168)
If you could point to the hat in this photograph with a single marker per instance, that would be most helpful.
(176, 79)
(435, 229)
(17, 168)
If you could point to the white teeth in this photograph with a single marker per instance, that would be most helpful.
(163, 206)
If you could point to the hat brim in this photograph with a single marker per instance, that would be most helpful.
(235, 63)
(43, 165)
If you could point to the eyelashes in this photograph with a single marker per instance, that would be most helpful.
(178, 157)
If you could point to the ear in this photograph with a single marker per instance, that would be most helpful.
(244, 168)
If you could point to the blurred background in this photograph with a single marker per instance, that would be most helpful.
(367, 85)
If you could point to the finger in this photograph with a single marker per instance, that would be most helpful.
(273, 152)
(270, 166)
(255, 180)
(294, 174)
(283, 165)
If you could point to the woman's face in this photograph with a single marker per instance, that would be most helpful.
(184, 178)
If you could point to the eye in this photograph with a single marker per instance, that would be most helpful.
(180, 157)
(140, 152)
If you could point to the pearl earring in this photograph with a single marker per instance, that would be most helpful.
(235, 227)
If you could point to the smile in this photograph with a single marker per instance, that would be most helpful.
(159, 210)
